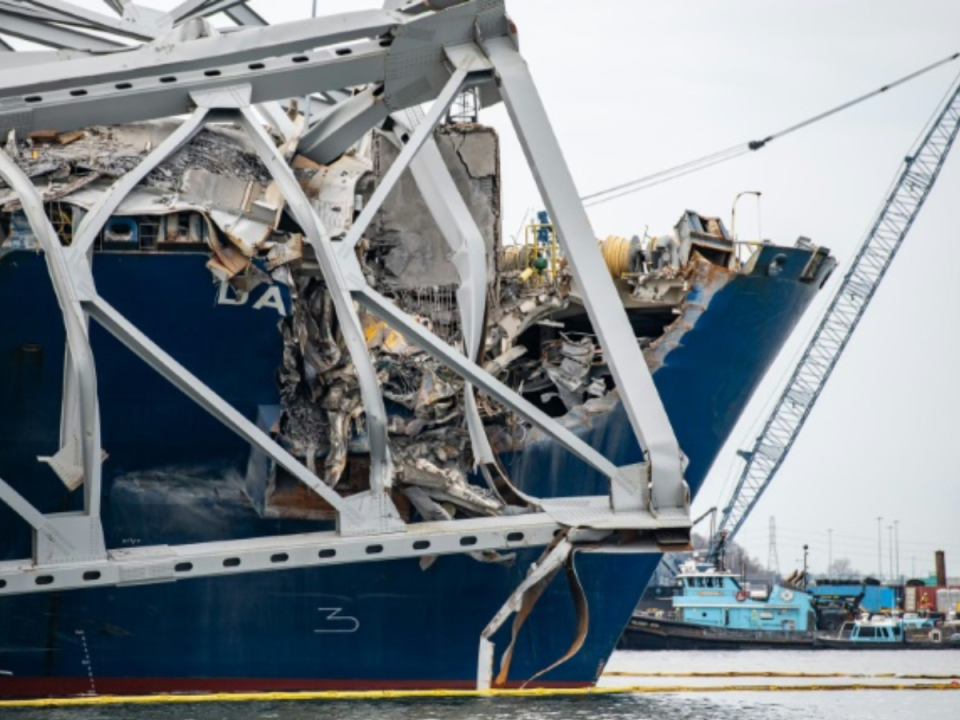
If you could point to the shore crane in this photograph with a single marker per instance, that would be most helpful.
(916, 177)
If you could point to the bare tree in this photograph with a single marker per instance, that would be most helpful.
(842, 568)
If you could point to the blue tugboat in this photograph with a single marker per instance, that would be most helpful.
(883, 632)
(716, 611)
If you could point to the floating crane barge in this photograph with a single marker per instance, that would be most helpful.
(320, 433)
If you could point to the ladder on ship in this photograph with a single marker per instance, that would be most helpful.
(912, 184)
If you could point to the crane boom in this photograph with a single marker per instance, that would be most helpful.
(910, 189)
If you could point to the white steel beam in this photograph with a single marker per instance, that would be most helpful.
(63, 538)
(473, 373)
(97, 21)
(381, 471)
(463, 237)
(273, 112)
(242, 46)
(188, 8)
(243, 15)
(21, 8)
(550, 563)
(118, 102)
(185, 381)
(53, 36)
(99, 214)
(639, 395)
(343, 124)
(21, 506)
(276, 117)
(25, 60)
(437, 111)
(182, 562)
(201, 8)
(168, 563)
(74, 320)
(81, 250)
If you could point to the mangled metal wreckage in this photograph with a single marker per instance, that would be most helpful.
(354, 345)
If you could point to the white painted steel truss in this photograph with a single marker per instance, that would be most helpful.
(406, 54)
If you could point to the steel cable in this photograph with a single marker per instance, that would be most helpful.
(691, 166)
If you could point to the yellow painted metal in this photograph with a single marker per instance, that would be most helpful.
(774, 673)
(616, 253)
(511, 260)
(532, 247)
(413, 694)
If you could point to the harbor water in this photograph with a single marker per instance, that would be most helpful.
(746, 685)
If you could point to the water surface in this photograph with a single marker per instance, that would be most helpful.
(704, 675)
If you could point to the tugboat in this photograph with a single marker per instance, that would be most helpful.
(716, 611)
(878, 632)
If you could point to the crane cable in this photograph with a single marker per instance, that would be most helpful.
(736, 151)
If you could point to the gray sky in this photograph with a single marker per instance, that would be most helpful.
(635, 87)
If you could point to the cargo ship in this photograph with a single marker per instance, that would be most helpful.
(228, 561)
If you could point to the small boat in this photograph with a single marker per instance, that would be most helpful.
(716, 610)
(880, 632)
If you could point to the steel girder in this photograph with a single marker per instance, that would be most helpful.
(243, 15)
(64, 536)
(381, 472)
(465, 241)
(66, 25)
(55, 36)
(637, 391)
(245, 46)
(138, 26)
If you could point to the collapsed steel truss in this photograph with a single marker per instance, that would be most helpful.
(404, 56)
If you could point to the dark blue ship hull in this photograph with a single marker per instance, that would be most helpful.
(175, 475)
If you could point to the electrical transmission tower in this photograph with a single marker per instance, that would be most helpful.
(773, 561)
(465, 108)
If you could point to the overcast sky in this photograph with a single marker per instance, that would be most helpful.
(635, 87)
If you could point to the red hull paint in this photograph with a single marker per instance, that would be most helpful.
(41, 687)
